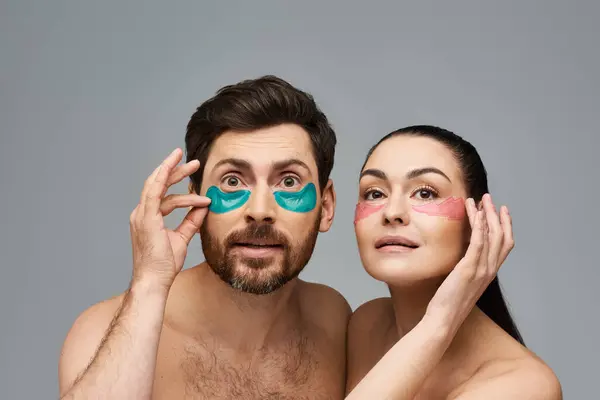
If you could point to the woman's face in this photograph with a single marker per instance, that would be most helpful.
(410, 222)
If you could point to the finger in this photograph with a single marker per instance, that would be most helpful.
(158, 187)
(471, 211)
(507, 230)
(480, 204)
(174, 201)
(495, 232)
(183, 171)
(485, 251)
(473, 253)
(148, 182)
(191, 223)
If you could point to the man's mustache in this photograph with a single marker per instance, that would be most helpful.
(263, 232)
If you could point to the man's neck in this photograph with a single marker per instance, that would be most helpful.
(242, 321)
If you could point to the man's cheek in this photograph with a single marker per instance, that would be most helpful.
(222, 202)
(302, 201)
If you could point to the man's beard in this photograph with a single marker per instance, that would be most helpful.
(258, 280)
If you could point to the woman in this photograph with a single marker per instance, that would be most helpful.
(420, 231)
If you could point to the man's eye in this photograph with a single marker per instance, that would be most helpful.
(232, 181)
(289, 182)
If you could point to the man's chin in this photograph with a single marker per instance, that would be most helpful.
(258, 286)
(250, 264)
(255, 276)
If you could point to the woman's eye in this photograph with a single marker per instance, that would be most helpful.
(373, 195)
(425, 194)
(232, 181)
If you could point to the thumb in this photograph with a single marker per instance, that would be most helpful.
(191, 223)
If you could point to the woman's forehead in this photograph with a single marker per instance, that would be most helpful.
(404, 153)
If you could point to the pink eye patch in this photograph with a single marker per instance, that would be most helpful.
(451, 208)
(363, 210)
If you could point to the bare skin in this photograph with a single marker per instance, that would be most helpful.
(238, 349)
(429, 340)
(188, 334)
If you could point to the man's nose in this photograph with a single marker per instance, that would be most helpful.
(261, 205)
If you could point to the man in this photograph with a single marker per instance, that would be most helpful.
(241, 324)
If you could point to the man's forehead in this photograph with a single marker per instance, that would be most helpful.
(265, 146)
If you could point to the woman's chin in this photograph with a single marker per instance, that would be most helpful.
(399, 272)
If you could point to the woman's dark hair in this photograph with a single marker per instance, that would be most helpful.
(492, 301)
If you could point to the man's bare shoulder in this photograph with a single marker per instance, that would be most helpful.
(84, 337)
(524, 378)
(324, 300)
(326, 310)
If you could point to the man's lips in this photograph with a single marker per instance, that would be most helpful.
(258, 244)
(257, 250)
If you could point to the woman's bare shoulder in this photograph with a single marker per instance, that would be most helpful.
(372, 315)
(524, 377)
(368, 337)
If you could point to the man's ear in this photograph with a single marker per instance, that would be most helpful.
(327, 207)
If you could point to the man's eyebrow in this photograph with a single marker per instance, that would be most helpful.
(288, 163)
(427, 170)
(236, 162)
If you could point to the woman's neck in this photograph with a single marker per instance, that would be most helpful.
(410, 304)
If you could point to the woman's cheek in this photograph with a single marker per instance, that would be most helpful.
(452, 208)
(364, 210)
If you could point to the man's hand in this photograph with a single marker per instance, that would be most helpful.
(491, 242)
(158, 252)
(111, 351)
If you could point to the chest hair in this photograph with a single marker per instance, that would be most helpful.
(289, 370)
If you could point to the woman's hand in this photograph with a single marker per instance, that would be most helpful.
(491, 242)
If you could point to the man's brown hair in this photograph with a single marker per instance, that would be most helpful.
(256, 104)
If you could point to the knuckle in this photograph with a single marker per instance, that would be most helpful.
(468, 273)
(481, 274)
(477, 243)
(133, 217)
(147, 223)
(169, 199)
(151, 195)
(148, 181)
(495, 232)
(493, 227)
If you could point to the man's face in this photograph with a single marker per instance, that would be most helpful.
(264, 217)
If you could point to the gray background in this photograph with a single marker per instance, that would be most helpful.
(94, 94)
